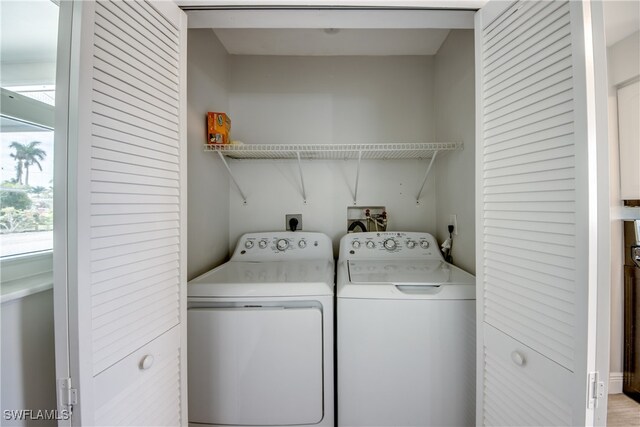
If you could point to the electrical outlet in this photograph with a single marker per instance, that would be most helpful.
(453, 220)
(288, 217)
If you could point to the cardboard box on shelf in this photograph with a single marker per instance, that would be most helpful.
(218, 127)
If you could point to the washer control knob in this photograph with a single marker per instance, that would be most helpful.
(302, 244)
(248, 244)
(424, 244)
(282, 244)
(355, 244)
(411, 244)
(262, 244)
(390, 244)
(371, 244)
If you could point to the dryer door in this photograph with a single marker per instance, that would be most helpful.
(255, 365)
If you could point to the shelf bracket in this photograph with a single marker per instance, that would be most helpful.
(355, 191)
(426, 175)
(304, 193)
(244, 198)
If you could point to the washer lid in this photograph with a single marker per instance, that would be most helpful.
(404, 279)
(277, 278)
(407, 272)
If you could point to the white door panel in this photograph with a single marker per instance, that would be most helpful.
(535, 200)
(126, 203)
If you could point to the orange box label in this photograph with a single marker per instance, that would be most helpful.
(218, 127)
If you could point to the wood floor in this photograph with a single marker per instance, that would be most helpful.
(622, 411)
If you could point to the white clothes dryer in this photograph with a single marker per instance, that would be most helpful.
(406, 333)
(260, 334)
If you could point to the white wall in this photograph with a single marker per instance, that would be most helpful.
(273, 190)
(623, 65)
(304, 100)
(330, 100)
(455, 121)
(27, 356)
(208, 182)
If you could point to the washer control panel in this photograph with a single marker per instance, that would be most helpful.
(389, 244)
(282, 245)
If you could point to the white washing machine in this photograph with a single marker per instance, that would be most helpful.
(260, 334)
(406, 333)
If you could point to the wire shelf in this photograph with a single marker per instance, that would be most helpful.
(335, 151)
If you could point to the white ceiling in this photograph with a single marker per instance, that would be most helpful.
(317, 42)
(621, 19)
(28, 31)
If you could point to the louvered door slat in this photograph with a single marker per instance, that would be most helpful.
(552, 285)
(136, 150)
(135, 97)
(109, 44)
(532, 30)
(528, 172)
(132, 169)
(525, 235)
(537, 149)
(141, 285)
(550, 59)
(100, 221)
(130, 158)
(152, 28)
(504, 24)
(554, 95)
(103, 306)
(539, 294)
(141, 123)
(115, 81)
(144, 277)
(143, 41)
(557, 74)
(135, 222)
(117, 103)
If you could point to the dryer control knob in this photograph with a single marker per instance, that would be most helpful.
(411, 244)
(282, 244)
(263, 244)
(355, 244)
(302, 244)
(248, 244)
(390, 244)
(424, 244)
(371, 244)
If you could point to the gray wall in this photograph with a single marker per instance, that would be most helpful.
(28, 359)
(208, 182)
(455, 121)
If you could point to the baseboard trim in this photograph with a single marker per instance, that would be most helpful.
(615, 382)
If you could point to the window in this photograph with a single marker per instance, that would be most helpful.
(28, 61)
(26, 187)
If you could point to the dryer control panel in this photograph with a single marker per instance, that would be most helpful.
(285, 245)
(389, 245)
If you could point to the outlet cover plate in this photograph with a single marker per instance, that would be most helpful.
(453, 220)
(288, 217)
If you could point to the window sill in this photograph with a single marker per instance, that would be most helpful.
(24, 287)
(25, 275)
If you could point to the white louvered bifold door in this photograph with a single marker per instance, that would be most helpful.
(535, 199)
(126, 212)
